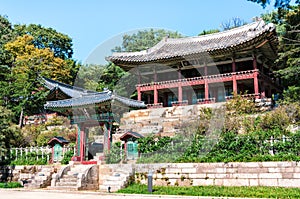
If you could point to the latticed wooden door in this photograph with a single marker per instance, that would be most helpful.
(132, 150)
(57, 153)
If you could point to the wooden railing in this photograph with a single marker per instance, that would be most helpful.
(157, 105)
(210, 78)
(180, 103)
(206, 101)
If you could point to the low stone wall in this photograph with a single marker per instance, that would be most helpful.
(20, 173)
(278, 174)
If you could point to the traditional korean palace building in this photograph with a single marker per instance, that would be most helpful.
(88, 109)
(205, 69)
(175, 72)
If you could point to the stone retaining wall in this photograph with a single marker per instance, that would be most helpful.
(19, 173)
(279, 174)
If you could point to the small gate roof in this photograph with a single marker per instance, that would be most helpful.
(129, 134)
(58, 139)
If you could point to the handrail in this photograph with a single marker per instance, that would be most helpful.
(199, 78)
(157, 105)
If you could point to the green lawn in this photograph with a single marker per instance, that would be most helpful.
(255, 192)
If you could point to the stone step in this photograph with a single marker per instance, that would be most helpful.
(68, 179)
(65, 188)
(70, 176)
(66, 184)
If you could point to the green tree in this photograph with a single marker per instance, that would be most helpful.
(289, 51)
(59, 43)
(89, 76)
(207, 32)
(287, 65)
(9, 134)
(143, 40)
(6, 35)
(24, 92)
(277, 4)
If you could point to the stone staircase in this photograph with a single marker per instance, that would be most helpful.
(115, 177)
(76, 177)
(40, 179)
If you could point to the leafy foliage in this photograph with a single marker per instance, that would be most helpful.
(289, 51)
(30, 159)
(9, 185)
(239, 106)
(218, 191)
(24, 92)
(9, 134)
(114, 155)
(277, 4)
(143, 40)
(59, 43)
(207, 32)
(271, 145)
(67, 157)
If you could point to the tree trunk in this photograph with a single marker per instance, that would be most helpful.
(21, 119)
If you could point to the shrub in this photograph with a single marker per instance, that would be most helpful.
(276, 119)
(114, 155)
(67, 157)
(10, 185)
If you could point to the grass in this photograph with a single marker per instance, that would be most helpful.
(217, 191)
(10, 185)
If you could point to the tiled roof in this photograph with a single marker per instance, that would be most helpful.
(96, 98)
(170, 48)
(130, 134)
(71, 91)
(59, 139)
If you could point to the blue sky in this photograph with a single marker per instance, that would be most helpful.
(91, 23)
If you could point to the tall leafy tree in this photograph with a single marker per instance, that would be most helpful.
(289, 52)
(6, 35)
(59, 43)
(145, 39)
(9, 134)
(288, 62)
(25, 94)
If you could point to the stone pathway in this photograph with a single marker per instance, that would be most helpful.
(46, 194)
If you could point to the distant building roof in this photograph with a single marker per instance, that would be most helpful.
(216, 43)
(81, 97)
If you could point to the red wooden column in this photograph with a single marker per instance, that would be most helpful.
(82, 142)
(138, 87)
(234, 83)
(107, 135)
(139, 93)
(256, 87)
(155, 94)
(155, 87)
(206, 89)
(179, 86)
